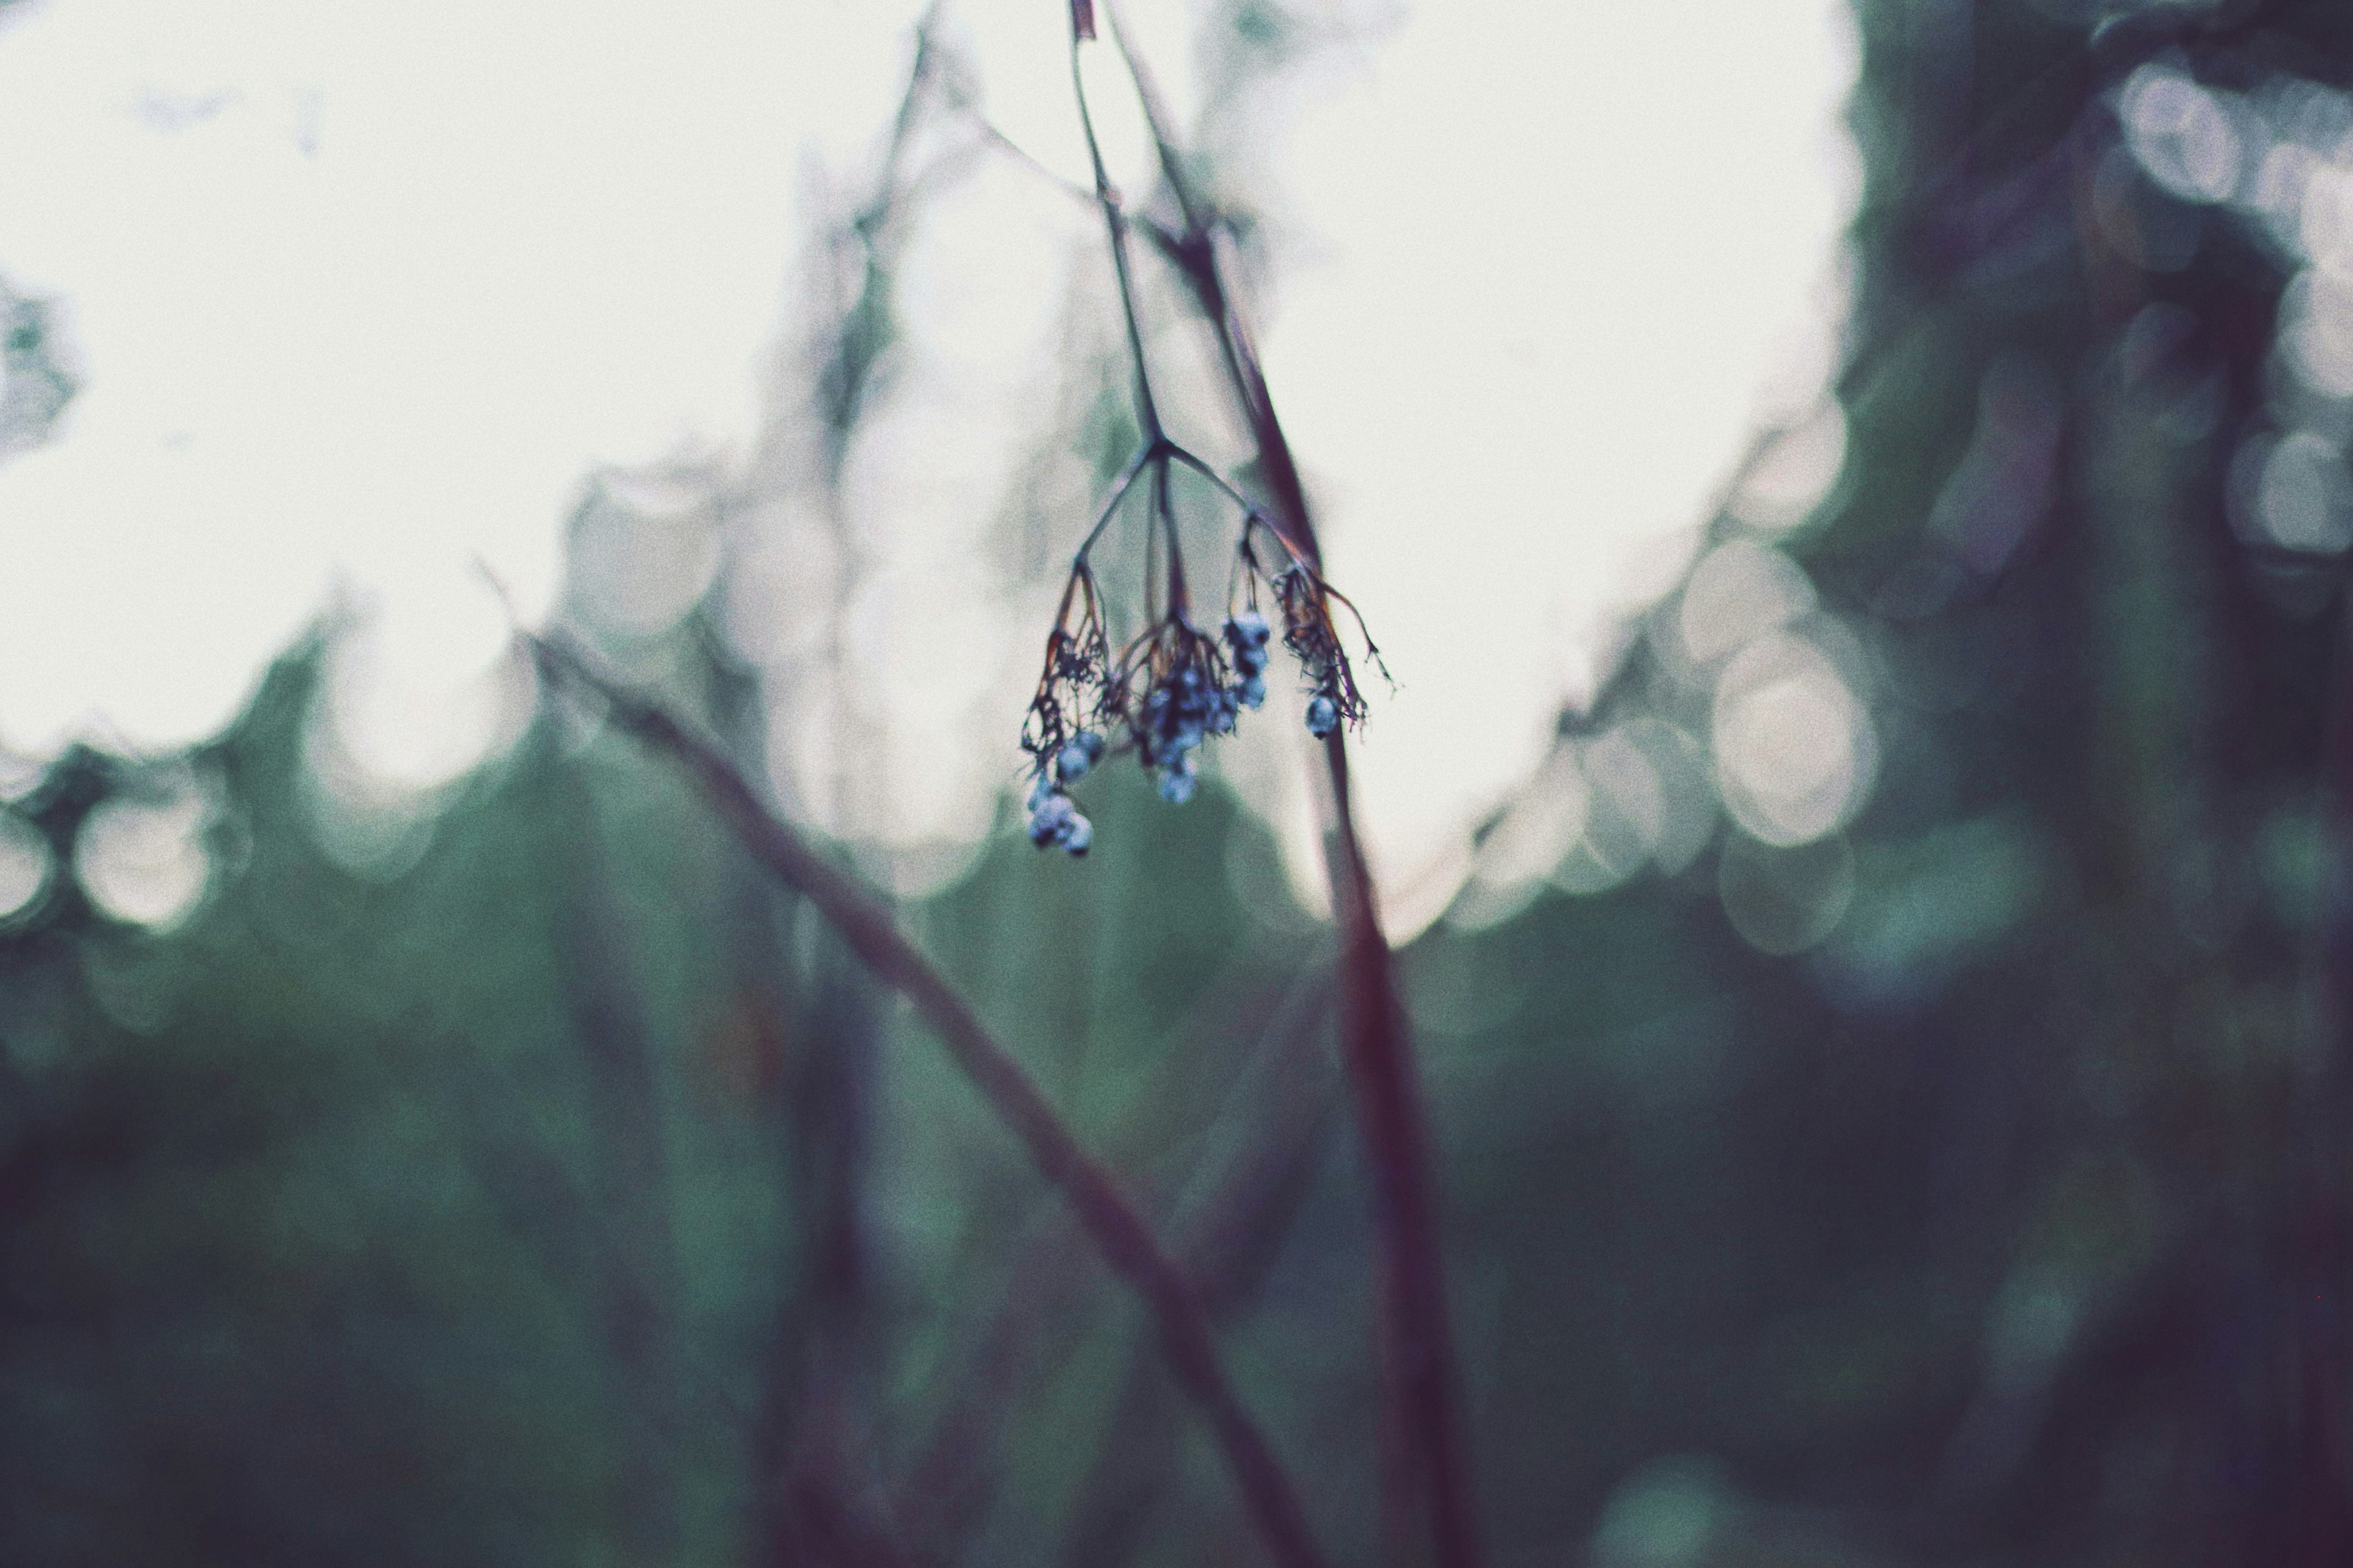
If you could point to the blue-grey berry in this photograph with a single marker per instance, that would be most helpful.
(1050, 823)
(1248, 629)
(1072, 761)
(1177, 783)
(1323, 716)
(1221, 716)
(1252, 692)
(1081, 834)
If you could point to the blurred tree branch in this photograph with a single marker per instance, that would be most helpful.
(1119, 1232)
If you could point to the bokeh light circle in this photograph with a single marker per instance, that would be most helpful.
(143, 860)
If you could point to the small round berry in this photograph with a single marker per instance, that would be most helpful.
(1252, 692)
(1176, 784)
(1071, 763)
(1221, 717)
(1082, 834)
(1050, 823)
(1323, 716)
(1248, 629)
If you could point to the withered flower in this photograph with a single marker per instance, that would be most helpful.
(1174, 685)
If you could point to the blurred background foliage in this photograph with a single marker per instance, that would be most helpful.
(1889, 1063)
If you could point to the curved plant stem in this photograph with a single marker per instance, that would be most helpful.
(1424, 1440)
(1147, 412)
(1118, 1232)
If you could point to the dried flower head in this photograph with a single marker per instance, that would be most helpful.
(1312, 632)
(1174, 685)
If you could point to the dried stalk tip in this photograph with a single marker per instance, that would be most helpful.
(1311, 633)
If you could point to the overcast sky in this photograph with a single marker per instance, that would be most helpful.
(361, 292)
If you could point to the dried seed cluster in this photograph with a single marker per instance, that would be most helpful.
(1174, 685)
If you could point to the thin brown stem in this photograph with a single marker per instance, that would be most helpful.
(1226, 1239)
(1156, 118)
(1383, 1075)
(1420, 1375)
(1229, 1239)
(991, 136)
(1179, 600)
(1147, 412)
(1119, 490)
(1110, 1221)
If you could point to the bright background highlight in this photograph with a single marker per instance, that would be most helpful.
(358, 293)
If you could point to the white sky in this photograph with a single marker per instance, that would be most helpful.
(361, 292)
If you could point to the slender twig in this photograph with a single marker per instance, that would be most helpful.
(1179, 601)
(1163, 239)
(1147, 412)
(1422, 1379)
(1155, 120)
(1225, 1217)
(1120, 487)
(1302, 552)
(1229, 1239)
(1117, 1230)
